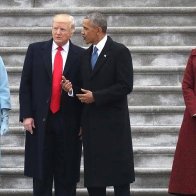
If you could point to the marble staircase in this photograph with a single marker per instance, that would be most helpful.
(159, 35)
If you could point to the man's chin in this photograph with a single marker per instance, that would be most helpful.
(58, 40)
(86, 42)
(60, 43)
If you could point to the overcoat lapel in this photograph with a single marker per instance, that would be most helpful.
(87, 62)
(47, 50)
(70, 58)
(47, 55)
(102, 57)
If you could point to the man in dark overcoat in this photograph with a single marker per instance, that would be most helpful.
(53, 146)
(107, 79)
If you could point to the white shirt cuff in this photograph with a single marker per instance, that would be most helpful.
(70, 93)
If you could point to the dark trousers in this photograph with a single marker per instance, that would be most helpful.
(54, 161)
(123, 190)
(44, 188)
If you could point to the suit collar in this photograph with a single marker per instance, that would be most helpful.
(70, 58)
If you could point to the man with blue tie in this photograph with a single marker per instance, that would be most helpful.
(50, 116)
(107, 79)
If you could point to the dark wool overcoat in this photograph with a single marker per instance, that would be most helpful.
(183, 175)
(35, 95)
(108, 153)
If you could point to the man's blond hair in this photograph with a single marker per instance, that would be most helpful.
(66, 18)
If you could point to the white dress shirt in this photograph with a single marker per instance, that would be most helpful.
(101, 44)
(64, 53)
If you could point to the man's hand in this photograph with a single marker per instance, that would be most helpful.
(86, 96)
(66, 84)
(28, 124)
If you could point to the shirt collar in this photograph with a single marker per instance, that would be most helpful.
(65, 47)
(101, 44)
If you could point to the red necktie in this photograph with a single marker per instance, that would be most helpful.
(56, 81)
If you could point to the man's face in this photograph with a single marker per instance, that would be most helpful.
(89, 32)
(61, 32)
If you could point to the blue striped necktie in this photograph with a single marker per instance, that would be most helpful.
(94, 57)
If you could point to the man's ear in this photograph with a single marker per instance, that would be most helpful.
(99, 29)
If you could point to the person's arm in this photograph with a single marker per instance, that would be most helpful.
(188, 84)
(25, 91)
(5, 104)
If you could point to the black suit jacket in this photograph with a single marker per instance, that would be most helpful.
(35, 95)
(108, 154)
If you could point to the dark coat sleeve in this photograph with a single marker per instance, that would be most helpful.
(25, 91)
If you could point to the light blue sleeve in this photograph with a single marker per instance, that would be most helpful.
(4, 88)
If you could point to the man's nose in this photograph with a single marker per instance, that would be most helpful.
(58, 31)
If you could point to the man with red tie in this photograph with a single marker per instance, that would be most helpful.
(49, 115)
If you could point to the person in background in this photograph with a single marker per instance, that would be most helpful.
(183, 174)
(5, 104)
(49, 115)
(106, 80)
